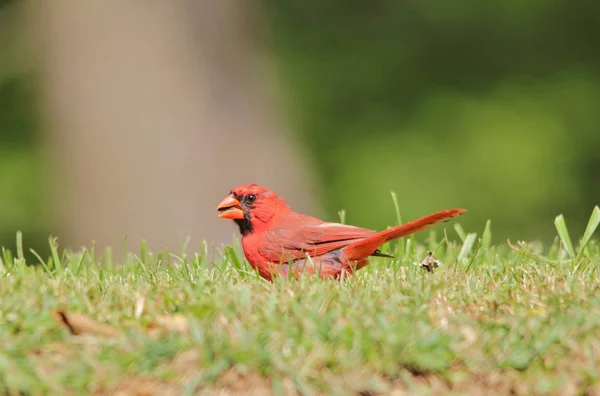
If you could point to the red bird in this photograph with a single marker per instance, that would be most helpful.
(276, 240)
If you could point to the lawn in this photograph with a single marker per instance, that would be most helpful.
(518, 318)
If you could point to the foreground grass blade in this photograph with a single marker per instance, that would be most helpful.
(563, 234)
(7, 258)
(342, 215)
(467, 246)
(55, 256)
(460, 231)
(20, 254)
(486, 237)
(590, 229)
(81, 261)
(41, 260)
(401, 249)
(396, 207)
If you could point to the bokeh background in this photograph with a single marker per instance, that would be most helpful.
(136, 119)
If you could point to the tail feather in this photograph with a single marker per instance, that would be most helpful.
(365, 247)
(420, 224)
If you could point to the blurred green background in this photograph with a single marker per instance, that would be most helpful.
(493, 106)
(23, 191)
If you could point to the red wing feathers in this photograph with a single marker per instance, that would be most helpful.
(314, 239)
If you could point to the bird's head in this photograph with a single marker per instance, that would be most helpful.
(252, 207)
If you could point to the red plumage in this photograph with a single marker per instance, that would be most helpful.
(276, 240)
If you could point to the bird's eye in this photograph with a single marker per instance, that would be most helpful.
(251, 198)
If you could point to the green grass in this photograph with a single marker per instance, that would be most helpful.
(515, 317)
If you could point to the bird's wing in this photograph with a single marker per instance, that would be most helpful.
(314, 238)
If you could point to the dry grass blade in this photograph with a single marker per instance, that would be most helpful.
(139, 306)
(81, 324)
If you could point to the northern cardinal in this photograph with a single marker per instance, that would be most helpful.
(276, 240)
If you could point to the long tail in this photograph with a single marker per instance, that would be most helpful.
(362, 249)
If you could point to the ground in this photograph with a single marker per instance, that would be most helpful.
(518, 318)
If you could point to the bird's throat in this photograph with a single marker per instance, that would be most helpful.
(245, 226)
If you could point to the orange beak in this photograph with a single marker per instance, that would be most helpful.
(230, 208)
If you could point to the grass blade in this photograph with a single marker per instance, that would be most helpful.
(396, 207)
(460, 231)
(467, 246)
(400, 246)
(37, 256)
(144, 253)
(342, 215)
(7, 258)
(20, 254)
(184, 248)
(124, 252)
(486, 237)
(563, 234)
(81, 261)
(141, 264)
(231, 256)
(432, 239)
(54, 250)
(590, 229)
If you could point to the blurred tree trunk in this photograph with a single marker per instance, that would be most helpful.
(155, 110)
